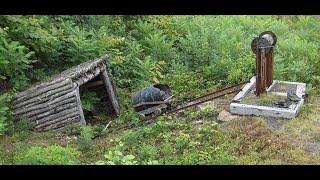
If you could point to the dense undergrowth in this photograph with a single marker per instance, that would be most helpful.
(189, 53)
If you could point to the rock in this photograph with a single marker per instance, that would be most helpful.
(225, 116)
(197, 122)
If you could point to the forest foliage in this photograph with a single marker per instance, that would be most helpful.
(185, 52)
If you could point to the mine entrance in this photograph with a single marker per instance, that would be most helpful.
(96, 102)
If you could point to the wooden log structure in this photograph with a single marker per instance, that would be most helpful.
(54, 104)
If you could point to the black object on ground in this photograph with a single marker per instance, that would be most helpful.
(293, 97)
(283, 104)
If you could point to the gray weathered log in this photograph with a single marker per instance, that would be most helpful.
(57, 120)
(45, 105)
(43, 90)
(44, 95)
(56, 103)
(111, 91)
(53, 111)
(39, 86)
(49, 108)
(94, 84)
(64, 123)
(79, 105)
(57, 115)
(45, 99)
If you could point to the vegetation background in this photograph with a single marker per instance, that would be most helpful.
(186, 52)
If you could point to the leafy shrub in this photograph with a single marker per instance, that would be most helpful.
(50, 155)
(4, 112)
(85, 138)
(88, 99)
(117, 158)
(22, 129)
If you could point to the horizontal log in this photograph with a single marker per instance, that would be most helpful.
(57, 120)
(81, 69)
(44, 100)
(63, 123)
(47, 108)
(57, 115)
(88, 75)
(42, 90)
(39, 86)
(45, 105)
(53, 111)
(44, 95)
(94, 84)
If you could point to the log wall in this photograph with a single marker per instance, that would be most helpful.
(55, 104)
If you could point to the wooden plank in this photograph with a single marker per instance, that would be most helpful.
(79, 106)
(111, 91)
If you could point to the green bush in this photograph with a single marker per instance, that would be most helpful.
(22, 129)
(117, 158)
(85, 138)
(4, 112)
(50, 155)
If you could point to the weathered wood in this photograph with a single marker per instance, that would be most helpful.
(57, 120)
(30, 115)
(79, 105)
(45, 99)
(94, 84)
(44, 96)
(56, 103)
(46, 105)
(87, 76)
(53, 124)
(64, 123)
(56, 110)
(39, 86)
(51, 87)
(57, 115)
(111, 92)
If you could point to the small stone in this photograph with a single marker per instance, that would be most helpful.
(197, 122)
(225, 116)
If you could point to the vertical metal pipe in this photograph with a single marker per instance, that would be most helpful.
(258, 72)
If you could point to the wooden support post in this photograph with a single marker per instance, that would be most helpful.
(111, 91)
(79, 105)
